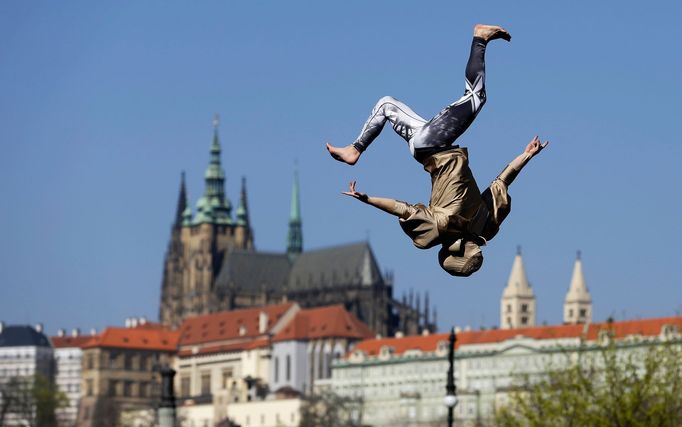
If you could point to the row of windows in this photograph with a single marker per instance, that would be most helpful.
(126, 361)
(128, 388)
(260, 420)
(16, 372)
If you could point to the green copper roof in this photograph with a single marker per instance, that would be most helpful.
(187, 216)
(214, 207)
(242, 213)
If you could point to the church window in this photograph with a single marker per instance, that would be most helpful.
(127, 388)
(524, 308)
(288, 367)
(509, 321)
(583, 312)
(320, 365)
(570, 312)
(524, 320)
(508, 308)
(88, 387)
(276, 369)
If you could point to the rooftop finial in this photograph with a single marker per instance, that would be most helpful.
(216, 120)
(518, 249)
(578, 254)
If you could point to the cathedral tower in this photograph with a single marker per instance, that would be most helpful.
(578, 303)
(199, 242)
(517, 309)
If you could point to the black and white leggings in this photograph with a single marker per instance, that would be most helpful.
(427, 137)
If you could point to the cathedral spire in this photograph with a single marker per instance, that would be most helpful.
(518, 300)
(295, 236)
(182, 202)
(213, 206)
(578, 302)
(242, 213)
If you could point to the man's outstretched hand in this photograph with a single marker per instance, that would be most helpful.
(535, 146)
(354, 193)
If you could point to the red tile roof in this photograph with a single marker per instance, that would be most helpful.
(226, 325)
(645, 327)
(155, 339)
(71, 341)
(324, 322)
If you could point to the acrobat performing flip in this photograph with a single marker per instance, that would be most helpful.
(459, 217)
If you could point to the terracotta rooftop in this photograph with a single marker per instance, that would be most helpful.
(645, 327)
(226, 325)
(324, 322)
(71, 341)
(140, 338)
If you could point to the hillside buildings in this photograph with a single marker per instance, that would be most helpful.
(68, 357)
(26, 356)
(402, 380)
(211, 265)
(120, 370)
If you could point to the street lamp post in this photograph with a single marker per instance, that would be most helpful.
(166, 411)
(450, 388)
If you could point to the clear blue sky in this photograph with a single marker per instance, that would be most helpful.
(102, 104)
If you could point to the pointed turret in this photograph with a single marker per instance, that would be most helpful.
(182, 203)
(518, 300)
(295, 236)
(243, 234)
(242, 213)
(578, 303)
(213, 206)
(426, 309)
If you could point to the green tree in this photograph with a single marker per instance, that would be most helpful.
(331, 410)
(30, 401)
(635, 384)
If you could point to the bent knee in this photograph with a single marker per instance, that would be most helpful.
(386, 100)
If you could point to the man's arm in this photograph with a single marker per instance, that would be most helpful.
(512, 170)
(394, 207)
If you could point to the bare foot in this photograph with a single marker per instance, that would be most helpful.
(491, 32)
(347, 154)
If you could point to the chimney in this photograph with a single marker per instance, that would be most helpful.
(2, 326)
(133, 322)
(75, 332)
(39, 328)
(143, 321)
(399, 334)
(262, 322)
(61, 332)
(93, 332)
(242, 330)
(426, 332)
(128, 322)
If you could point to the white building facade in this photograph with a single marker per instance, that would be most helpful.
(68, 356)
(25, 352)
(401, 381)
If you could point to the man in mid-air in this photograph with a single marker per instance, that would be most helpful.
(459, 217)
